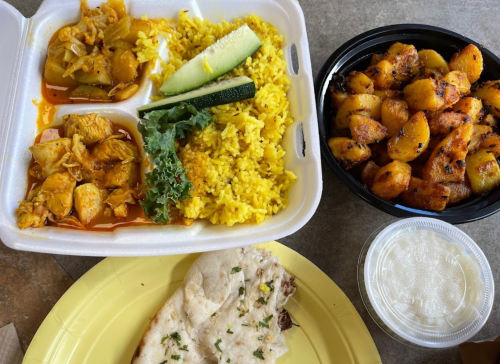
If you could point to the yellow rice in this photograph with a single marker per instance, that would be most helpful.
(236, 164)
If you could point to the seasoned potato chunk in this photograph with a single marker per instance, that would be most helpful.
(434, 61)
(379, 153)
(490, 121)
(366, 130)
(458, 192)
(391, 94)
(368, 173)
(468, 60)
(359, 83)
(489, 93)
(391, 180)
(470, 106)
(404, 58)
(349, 152)
(412, 139)
(382, 75)
(479, 134)
(492, 143)
(89, 202)
(376, 58)
(338, 97)
(446, 122)
(447, 161)
(425, 195)
(483, 171)
(360, 104)
(393, 115)
(459, 80)
(124, 66)
(430, 94)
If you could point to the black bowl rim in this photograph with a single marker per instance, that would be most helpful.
(454, 216)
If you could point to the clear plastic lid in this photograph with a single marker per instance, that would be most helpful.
(425, 282)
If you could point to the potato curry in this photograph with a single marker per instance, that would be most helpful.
(417, 128)
(96, 59)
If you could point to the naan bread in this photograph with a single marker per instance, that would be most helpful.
(227, 310)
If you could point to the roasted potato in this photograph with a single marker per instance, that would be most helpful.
(411, 140)
(359, 83)
(391, 180)
(393, 115)
(489, 93)
(430, 95)
(479, 134)
(425, 195)
(404, 58)
(468, 60)
(382, 74)
(492, 143)
(366, 130)
(490, 121)
(360, 104)
(446, 122)
(376, 58)
(458, 191)
(483, 171)
(434, 61)
(392, 94)
(337, 96)
(470, 106)
(379, 153)
(459, 80)
(447, 161)
(368, 173)
(349, 152)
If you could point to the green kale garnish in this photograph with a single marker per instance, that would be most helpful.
(235, 270)
(167, 183)
(241, 291)
(175, 357)
(217, 344)
(258, 354)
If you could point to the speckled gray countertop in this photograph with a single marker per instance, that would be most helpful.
(334, 236)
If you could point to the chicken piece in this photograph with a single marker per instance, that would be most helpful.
(121, 175)
(113, 149)
(57, 193)
(31, 214)
(51, 155)
(91, 170)
(89, 202)
(92, 127)
(118, 200)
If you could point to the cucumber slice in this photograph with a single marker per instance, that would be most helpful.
(220, 93)
(221, 57)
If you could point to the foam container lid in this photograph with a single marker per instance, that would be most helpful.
(23, 54)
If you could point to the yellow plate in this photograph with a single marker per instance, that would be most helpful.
(101, 318)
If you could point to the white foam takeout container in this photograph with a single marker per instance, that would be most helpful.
(23, 48)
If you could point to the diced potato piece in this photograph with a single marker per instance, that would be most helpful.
(348, 152)
(366, 130)
(119, 43)
(411, 140)
(368, 173)
(490, 120)
(451, 95)
(118, 30)
(124, 66)
(89, 202)
(379, 154)
(425, 94)
(361, 104)
(489, 93)
(392, 94)
(459, 80)
(427, 73)
(447, 161)
(137, 25)
(425, 195)
(417, 167)
(391, 180)
(479, 134)
(382, 75)
(127, 92)
(492, 143)
(470, 106)
(446, 122)
(458, 192)
(468, 60)
(433, 60)
(337, 96)
(99, 78)
(405, 59)
(88, 92)
(359, 83)
(376, 58)
(393, 115)
(53, 73)
(483, 171)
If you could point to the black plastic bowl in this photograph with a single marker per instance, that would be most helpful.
(355, 55)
